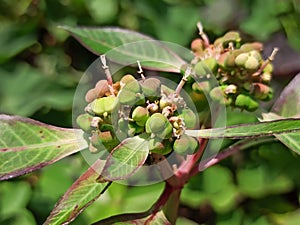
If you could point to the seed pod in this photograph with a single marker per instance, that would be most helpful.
(251, 63)
(185, 145)
(247, 47)
(156, 145)
(151, 87)
(101, 88)
(91, 95)
(241, 59)
(84, 122)
(244, 101)
(189, 118)
(159, 125)
(140, 115)
(104, 105)
(217, 94)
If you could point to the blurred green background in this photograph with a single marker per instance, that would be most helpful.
(41, 65)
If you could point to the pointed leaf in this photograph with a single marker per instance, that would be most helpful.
(80, 195)
(125, 159)
(27, 145)
(128, 47)
(249, 130)
(288, 103)
(291, 140)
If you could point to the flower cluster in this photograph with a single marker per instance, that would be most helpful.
(242, 73)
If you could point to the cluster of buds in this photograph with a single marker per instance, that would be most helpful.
(131, 107)
(242, 73)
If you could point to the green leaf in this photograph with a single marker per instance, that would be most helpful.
(288, 103)
(128, 47)
(80, 195)
(24, 90)
(249, 130)
(27, 145)
(291, 140)
(125, 159)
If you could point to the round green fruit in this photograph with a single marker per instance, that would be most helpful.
(84, 122)
(140, 115)
(159, 146)
(159, 125)
(185, 145)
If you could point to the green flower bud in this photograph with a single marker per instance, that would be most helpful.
(251, 63)
(104, 105)
(201, 87)
(159, 125)
(156, 145)
(246, 102)
(84, 122)
(140, 115)
(151, 87)
(189, 118)
(101, 88)
(185, 145)
(241, 59)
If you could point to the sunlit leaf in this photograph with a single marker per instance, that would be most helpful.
(291, 140)
(125, 159)
(249, 130)
(27, 145)
(80, 195)
(128, 47)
